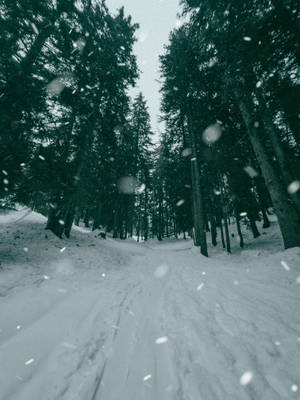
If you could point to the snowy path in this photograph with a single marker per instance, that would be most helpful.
(92, 335)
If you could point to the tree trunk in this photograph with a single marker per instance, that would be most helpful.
(69, 221)
(77, 218)
(160, 220)
(55, 223)
(220, 223)
(227, 237)
(97, 216)
(274, 136)
(196, 235)
(213, 230)
(175, 227)
(265, 218)
(167, 222)
(238, 226)
(86, 219)
(222, 234)
(198, 211)
(116, 220)
(287, 216)
(263, 203)
(253, 226)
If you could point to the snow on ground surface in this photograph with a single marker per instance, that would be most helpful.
(94, 319)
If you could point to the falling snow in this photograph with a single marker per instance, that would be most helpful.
(161, 271)
(285, 266)
(293, 187)
(186, 152)
(161, 340)
(55, 87)
(251, 171)
(30, 361)
(127, 184)
(212, 134)
(141, 189)
(246, 378)
(35, 29)
(179, 203)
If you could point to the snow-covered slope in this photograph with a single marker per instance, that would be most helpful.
(91, 319)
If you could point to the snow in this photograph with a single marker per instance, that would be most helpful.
(95, 322)
(246, 378)
(293, 187)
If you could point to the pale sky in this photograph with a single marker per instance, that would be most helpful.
(156, 19)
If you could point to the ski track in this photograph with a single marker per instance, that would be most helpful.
(96, 339)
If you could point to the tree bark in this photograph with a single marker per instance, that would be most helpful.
(69, 220)
(213, 230)
(86, 219)
(263, 203)
(198, 210)
(227, 237)
(238, 226)
(97, 216)
(253, 226)
(273, 134)
(116, 220)
(55, 222)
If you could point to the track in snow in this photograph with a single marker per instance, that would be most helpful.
(95, 339)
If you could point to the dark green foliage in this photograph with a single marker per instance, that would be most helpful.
(66, 136)
(232, 66)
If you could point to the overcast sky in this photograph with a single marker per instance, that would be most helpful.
(156, 19)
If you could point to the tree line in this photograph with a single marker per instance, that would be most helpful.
(73, 144)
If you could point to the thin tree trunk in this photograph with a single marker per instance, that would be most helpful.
(86, 219)
(196, 235)
(238, 226)
(167, 222)
(77, 219)
(213, 230)
(116, 220)
(253, 226)
(228, 247)
(199, 220)
(160, 221)
(265, 218)
(97, 216)
(222, 234)
(260, 188)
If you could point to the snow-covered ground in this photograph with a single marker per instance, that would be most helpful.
(91, 319)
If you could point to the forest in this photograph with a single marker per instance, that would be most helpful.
(145, 259)
(76, 147)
